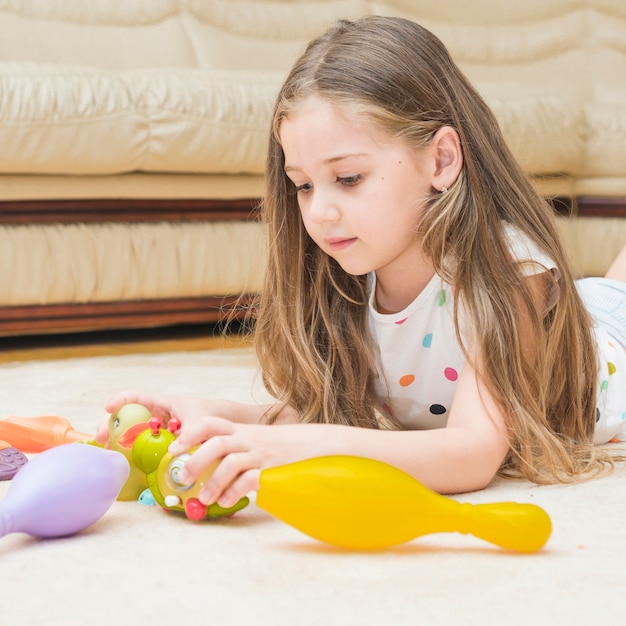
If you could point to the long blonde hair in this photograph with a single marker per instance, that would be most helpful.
(312, 333)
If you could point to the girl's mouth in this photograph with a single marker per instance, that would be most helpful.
(336, 244)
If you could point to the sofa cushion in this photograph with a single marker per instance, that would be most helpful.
(56, 263)
(75, 120)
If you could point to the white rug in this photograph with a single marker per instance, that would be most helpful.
(139, 565)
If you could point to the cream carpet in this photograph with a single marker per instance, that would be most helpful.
(139, 565)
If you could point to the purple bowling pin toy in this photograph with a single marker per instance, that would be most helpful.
(62, 490)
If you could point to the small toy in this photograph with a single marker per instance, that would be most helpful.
(36, 434)
(11, 460)
(62, 491)
(146, 498)
(364, 504)
(124, 427)
(161, 468)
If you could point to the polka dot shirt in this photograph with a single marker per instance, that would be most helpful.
(420, 360)
(611, 399)
(419, 357)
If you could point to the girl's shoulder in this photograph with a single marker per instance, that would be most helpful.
(525, 251)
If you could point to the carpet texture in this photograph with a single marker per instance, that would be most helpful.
(139, 565)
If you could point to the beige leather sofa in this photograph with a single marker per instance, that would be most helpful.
(133, 139)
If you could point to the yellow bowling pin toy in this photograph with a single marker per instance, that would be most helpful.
(362, 504)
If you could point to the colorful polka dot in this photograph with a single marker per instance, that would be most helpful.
(597, 415)
(428, 340)
(400, 322)
(624, 415)
(437, 409)
(605, 385)
(450, 373)
(441, 298)
(612, 368)
(406, 380)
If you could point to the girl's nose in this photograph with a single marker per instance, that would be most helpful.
(323, 209)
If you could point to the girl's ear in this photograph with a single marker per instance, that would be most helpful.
(448, 158)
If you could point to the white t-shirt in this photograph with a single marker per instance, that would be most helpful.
(611, 399)
(420, 359)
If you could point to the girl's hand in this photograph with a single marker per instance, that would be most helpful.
(163, 407)
(242, 451)
(186, 409)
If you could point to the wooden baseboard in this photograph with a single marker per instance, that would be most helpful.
(590, 206)
(69, 318)
(125, 210)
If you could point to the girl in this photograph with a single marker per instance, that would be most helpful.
(418, 307)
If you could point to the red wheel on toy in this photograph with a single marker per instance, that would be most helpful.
(195, 510)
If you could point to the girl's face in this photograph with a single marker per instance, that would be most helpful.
(360, 192)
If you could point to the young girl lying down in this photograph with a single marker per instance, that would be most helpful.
(418, 307)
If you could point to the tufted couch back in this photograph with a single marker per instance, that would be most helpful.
(187, 86)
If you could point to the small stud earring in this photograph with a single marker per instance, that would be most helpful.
(444, 189)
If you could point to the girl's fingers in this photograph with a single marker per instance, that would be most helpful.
(102, 433)
(159, 406)
(197, 432)
(120, 399)
(240, 487)
(214, 449)
(236, 475)
(223, 453)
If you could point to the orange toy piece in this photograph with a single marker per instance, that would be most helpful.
(36, 434)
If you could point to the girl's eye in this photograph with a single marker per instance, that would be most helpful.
(304, 187)
(348, 180)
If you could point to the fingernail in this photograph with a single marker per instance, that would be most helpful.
(206, 497)
(175, 447)
(183, 476)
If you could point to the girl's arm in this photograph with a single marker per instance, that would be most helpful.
(190, 409)
(462, 457)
